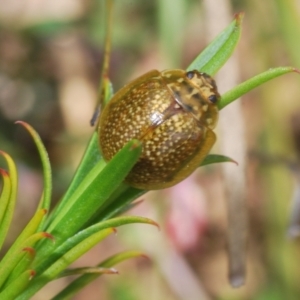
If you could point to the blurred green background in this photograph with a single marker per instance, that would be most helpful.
(51, 53)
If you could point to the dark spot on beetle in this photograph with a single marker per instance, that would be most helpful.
(186, 107)
(190, 89)
(213, 83)
(177, 94)
(190, 74)
(197, 97)
(205, 75)
(213, 99)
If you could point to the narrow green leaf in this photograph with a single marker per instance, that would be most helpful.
(215, 159)
(46, 199)
(15, 288)
(214, 56)
(28, 234)
(170, 23)
(4, 199)
(53, 271)
(252, 83)
(119, 221)
(78, 284)
(290, 25)
(123, 202)
(102, 86)
(75, 252)
(13, 175)
(31, 227)
(117, 258)
(119, 205)
(93, 191)
(41, 264)
(12, 258)
(87, 270)
(118, 193)
(90, 158)
(108, 90)
(23, 265)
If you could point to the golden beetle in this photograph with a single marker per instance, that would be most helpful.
(173, 113)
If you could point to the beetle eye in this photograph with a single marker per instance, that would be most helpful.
(190, 74)
(213, 99)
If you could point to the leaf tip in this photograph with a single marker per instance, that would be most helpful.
(26, 126)
(155, 224)
(4, 173)
(21, 123)
(28, 249)
(48, 236)
(138, 202)
(145, 256)
(135, 144)
(296, 70)
(239, 18)
(31, 251)
(31, 274)
(4, 154)
(113, 271)
(233, 161)
(44, 211)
